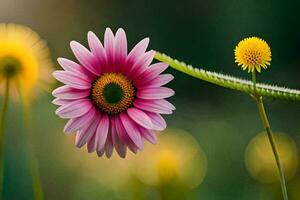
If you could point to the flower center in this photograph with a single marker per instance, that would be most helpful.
(112, 93)
(253, 53)
(9, 66)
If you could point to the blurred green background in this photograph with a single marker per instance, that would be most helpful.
(223, 122)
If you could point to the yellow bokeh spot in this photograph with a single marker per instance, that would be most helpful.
(252, 54)
(260, 161)
(176, 158)
(167, 165)
(25, 46)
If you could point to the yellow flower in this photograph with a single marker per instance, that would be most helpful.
(260, 160)
(24, 60)
(252, 53)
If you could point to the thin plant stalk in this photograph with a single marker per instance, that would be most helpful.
(34, 166)
(2, 129)
(266, 123)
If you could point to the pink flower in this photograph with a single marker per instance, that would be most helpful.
(113, 99)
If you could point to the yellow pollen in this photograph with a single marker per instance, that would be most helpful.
(113, 93)
(253, 54)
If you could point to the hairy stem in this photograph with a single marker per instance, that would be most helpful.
(231, 82)
(2, 128)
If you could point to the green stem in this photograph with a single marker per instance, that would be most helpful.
(266, 123)
(34, 167)
(36, 182)
(231, 82)
(163, 193)
(2, 128)
(254, 82)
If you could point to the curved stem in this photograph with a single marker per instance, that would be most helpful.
(34, 167)
(231, 82)
(266, 123)
(2, 127)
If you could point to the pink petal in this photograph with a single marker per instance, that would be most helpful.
(74, 74)
(109, 146)
(98, 50)
(117, 142)
(141, 64)
(120, 49)
(77, 123)
(131, 130)
(133, 148)
(109, 41)
(140, 117)
(92, 145)
(152, 72)
(123, 135)
(60, 102)
(69, 65)
(158, 121)
(148, 135)
(71, 79)
(85, 57)
(137, 51)
(102, 132)
(100, 152)
(161, 80)
(83, 136)
(74, 109)
(157, 82)
(66, 92)
(156, 106)
(155, 93)
(120, 130)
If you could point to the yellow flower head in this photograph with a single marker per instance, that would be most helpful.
(252, 53)
(24, 60)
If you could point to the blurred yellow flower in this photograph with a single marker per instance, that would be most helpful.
(176, 158)
(24, 59)
(260, 162)
(253, 53)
